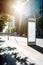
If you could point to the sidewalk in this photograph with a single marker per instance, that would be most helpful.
(12, 53)
(34, 55)
(21, 44)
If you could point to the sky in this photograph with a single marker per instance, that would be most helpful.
(32, 7)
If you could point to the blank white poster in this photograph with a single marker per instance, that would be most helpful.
(31, 31)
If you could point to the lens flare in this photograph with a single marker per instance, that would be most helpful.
(18, 7)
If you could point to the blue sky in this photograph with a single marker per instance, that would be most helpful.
(32, 7)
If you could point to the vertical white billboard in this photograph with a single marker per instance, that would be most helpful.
(31, 31)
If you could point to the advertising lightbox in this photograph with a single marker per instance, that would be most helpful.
(31, 32)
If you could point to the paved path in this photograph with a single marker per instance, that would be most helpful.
(21, 44)
(12, 53)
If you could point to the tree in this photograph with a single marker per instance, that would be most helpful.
(39, 23)
(2, 24)
(5, 19)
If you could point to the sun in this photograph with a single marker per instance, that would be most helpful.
(18, 6)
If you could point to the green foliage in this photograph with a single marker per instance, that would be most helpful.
(2, 24)
(11, 30)
(39, 23)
